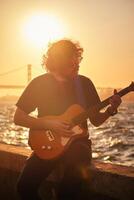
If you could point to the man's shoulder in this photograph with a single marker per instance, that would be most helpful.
(85, 79)
(40, 79)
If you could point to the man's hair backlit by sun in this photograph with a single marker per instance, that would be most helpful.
(41, 29)
(60, 52)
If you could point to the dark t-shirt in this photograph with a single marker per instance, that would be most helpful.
(51, 97)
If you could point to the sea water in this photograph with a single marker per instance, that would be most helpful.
(112, 142)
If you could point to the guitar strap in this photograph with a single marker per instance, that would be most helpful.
(79, 92)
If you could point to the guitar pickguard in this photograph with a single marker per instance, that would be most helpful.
(76, 131)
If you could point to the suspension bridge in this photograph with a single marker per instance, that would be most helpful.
(29, 77)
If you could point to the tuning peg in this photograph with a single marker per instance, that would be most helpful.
(131, 86)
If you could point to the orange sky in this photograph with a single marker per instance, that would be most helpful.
(104, 29)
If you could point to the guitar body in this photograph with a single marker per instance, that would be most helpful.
(50, 145)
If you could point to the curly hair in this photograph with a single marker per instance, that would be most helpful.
(59, 52)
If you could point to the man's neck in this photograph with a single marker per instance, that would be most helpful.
(59, 77)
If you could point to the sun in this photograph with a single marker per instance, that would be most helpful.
(41, 29)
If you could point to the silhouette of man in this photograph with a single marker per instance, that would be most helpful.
(52, 94)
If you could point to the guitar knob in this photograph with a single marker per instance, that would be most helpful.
(43, 147)
(49, 147)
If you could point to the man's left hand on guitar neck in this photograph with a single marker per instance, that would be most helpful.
(115, 101)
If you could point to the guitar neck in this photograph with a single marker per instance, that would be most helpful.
(104, 103)
(83, 116)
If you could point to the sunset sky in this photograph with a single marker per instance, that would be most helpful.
(104, 28)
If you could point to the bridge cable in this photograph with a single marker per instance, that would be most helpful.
(11, 71)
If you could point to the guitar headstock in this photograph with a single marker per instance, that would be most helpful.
(131, 86)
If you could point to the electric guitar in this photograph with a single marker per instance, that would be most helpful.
(50, 145)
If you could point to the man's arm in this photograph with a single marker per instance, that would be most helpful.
(97, 118)
(23, 119)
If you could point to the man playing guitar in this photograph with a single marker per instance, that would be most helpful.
(52, 94)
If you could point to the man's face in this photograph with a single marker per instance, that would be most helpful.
(70, 70)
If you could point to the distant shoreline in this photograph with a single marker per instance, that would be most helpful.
(103, 93)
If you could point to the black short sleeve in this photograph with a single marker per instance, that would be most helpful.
(29, 99)
(91, 94)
